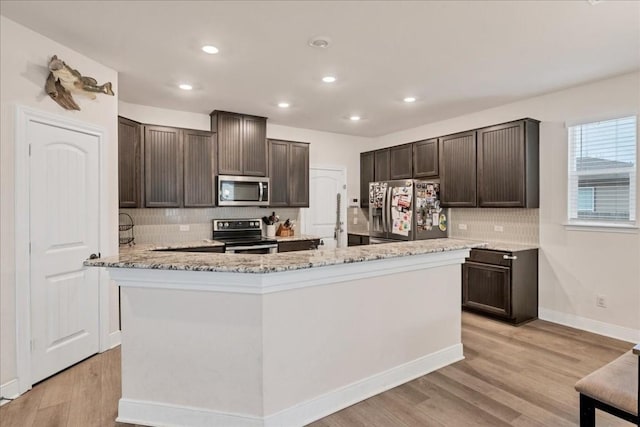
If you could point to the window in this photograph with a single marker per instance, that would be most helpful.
(586, 199)
(602, 172)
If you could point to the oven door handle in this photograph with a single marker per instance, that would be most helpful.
(244, 248)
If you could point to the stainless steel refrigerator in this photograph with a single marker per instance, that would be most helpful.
(405, 210)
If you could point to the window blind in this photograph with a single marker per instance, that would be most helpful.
(602, 171)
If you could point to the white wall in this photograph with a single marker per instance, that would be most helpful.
(326, 149)
(575, 266)
(23, 71)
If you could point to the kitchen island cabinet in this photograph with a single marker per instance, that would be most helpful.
(281, 339)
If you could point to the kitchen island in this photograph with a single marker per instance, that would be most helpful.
(281, 339)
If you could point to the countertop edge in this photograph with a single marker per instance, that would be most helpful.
(288, 261)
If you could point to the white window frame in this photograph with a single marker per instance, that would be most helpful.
(574, 224)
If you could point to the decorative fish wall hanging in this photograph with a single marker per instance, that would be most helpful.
(64, 80)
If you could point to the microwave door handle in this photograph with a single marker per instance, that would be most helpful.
(261, 190)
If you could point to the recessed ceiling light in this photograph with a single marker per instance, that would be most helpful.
(283, 104)
(328, 79)
(321, 42)
(409, 99)
(212, 50)
(354, 118)
(185, 86)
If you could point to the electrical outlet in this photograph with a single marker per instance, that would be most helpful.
(498, 228)
(601, 301)
(462, 226)
(184, 227)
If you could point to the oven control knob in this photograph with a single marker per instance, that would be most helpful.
(226, 224)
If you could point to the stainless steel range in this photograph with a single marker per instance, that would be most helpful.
(243, 236)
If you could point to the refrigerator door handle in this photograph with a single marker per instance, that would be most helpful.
(387, 209)
(384, 211)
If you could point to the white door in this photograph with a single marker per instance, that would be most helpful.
(320, 219)
(64, 231)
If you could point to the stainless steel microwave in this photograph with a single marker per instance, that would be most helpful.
(243, 190)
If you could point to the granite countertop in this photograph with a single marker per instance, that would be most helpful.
(285, 261)
(181, 245)
(296, 237)
(509, 247)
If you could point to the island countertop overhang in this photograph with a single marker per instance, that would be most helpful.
(280, 262)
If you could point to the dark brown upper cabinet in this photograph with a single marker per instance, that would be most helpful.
(199, 168)
(458, 170)
(366, 176)
(163, 167)
(242, 143)
(425, 158)
(289, 173)
(508, 165)
(129, 163)
(401, 162)
(381, 170)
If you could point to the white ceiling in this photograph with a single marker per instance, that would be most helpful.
(455, 57)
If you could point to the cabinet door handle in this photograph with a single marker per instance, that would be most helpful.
(509, 257)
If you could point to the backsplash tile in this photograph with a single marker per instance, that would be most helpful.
(362, 216)
(159, 226)
(519, 225)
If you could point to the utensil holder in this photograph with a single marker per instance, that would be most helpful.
(271, 230)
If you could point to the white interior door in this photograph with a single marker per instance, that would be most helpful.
(322, 215)
(64, 231)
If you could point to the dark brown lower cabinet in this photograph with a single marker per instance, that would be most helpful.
(357, 239)
(298, 245)
(501, 284)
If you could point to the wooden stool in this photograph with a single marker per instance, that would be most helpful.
(613, 389)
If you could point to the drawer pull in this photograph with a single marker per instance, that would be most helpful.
(509, 257)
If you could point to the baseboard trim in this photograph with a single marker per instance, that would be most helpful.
(590, 325)
(10, 390)
(321, 406)
(162, 414)
(167, 415)
(114, 339)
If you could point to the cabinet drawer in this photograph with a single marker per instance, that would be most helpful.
(491, 257)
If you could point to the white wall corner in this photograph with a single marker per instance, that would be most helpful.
(590, 325)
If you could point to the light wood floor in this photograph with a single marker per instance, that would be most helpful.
(511, 377)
